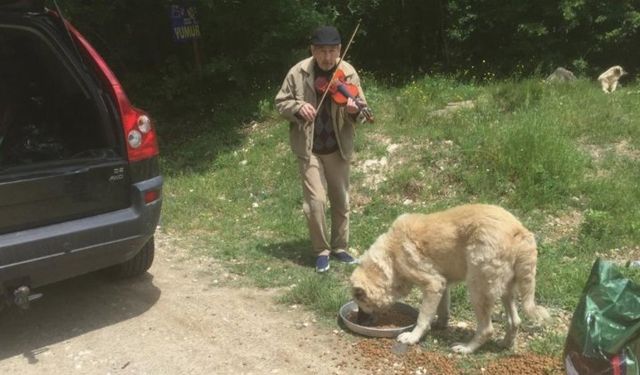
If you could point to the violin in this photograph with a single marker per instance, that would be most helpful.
(341, 90)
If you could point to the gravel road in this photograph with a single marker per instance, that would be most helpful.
(180, 318)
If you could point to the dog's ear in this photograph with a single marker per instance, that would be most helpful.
(359, 294)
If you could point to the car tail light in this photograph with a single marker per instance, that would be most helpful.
(142, 142)
(151, 195)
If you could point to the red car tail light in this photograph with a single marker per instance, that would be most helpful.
(151, 195)
(142, 142)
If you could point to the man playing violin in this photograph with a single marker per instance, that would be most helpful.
(321, 136)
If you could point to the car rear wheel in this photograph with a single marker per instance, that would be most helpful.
(137, 265)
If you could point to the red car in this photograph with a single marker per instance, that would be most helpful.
(80, 185)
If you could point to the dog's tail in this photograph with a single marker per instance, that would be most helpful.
(525, 277)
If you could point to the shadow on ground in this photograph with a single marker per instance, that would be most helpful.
(296, 251)
(72, 308)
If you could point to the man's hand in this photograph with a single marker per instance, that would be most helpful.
(307, 112)
(352, 107)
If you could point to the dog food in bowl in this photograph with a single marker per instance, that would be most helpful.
(387, 319)
(399, 318)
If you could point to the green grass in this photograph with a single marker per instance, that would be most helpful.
(545, 152)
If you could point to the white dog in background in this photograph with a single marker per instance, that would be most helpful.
(609, 79)
(482, 245)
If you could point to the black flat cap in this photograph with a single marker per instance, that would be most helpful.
(325, 36)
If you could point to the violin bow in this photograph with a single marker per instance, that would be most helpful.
(344, 53)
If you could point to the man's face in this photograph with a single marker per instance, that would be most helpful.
(326, 56)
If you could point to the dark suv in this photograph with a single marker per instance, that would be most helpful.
(80, 187)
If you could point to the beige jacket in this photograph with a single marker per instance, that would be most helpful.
(298, 88)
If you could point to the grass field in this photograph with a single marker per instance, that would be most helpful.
(564, 158)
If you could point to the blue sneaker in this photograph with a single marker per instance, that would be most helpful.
(344, 257)
(322, 263)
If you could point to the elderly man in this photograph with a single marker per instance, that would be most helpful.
(322, 140)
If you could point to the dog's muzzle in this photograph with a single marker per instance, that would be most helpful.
(365, 319)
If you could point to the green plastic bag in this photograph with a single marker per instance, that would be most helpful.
(604, 336)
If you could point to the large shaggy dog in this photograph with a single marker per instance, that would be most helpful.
(609, 79)
(483, 245)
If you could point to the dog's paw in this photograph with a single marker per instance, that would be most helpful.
(461, 349)
(408, 338)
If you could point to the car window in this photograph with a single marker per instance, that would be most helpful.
(45, 115)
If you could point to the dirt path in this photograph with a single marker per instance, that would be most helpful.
(175, 320)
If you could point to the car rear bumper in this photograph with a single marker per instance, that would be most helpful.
(43, 255)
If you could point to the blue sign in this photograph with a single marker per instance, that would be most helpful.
(184, 23)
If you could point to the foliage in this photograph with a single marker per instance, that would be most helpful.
(247, 43)
(243, 44)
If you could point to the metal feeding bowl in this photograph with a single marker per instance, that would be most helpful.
(349, 310)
